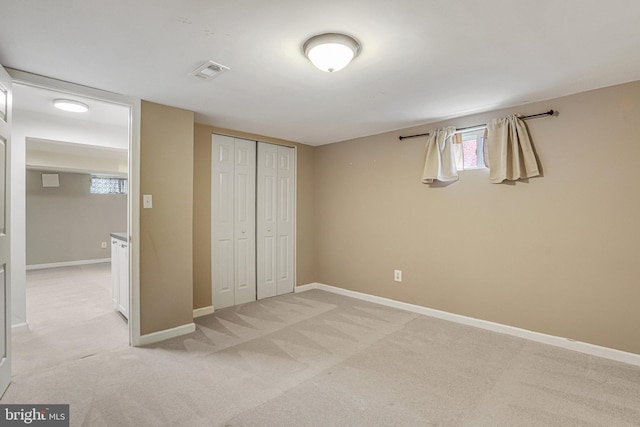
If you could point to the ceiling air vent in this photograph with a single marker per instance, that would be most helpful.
(208, 70)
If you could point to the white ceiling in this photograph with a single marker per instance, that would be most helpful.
(40, 101)
(93, 142)
(421, 60)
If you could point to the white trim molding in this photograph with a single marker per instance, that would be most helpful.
(566, 343)
(166, 334)
(67, 263)
(202, 311)
(308, 287)
(19, 327)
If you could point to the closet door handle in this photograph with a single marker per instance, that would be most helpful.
(268, 229)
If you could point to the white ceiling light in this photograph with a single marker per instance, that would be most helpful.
(331, 52)
(70, 105)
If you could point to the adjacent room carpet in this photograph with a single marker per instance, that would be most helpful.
(320, 359)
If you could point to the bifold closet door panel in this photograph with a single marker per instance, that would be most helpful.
(232, 221)
(222, 222)
(245, 221)
(275, 225)
(267, 184)
(286, 223)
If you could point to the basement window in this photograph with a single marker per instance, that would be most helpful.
(104, 185)
(471, 152)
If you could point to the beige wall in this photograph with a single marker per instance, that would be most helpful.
(201, 216)
(202, 211)
(556, 255)
(166, 172)
(68, 223)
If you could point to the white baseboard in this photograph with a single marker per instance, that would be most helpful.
(307, 287)
(166, 334)
(19, 327)
(203, 311)
(67, 263)
(566, 343)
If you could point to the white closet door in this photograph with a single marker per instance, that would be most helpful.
(245, 221)
(286, 224)
(275, 213)
(267, 219)
(233, 175)
(222, 221)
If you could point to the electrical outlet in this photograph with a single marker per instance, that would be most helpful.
(103, 245)
(397, 275)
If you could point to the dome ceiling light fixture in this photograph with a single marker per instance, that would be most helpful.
(331, 52)
(70, 105)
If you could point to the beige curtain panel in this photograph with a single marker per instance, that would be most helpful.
(440, 156)
(509, 153)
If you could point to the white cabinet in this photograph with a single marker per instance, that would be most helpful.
(120, 275)
(115, 272)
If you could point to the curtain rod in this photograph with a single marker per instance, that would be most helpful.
(546, 113)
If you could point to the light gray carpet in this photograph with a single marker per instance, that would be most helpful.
(70, 316)
(319, 359)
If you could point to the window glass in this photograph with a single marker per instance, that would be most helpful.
(473, 149)
(102, 185)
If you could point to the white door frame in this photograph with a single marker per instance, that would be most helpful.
(133, 215)
(5, 245)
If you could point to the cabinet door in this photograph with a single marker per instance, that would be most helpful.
(123, 282)
(115, 273)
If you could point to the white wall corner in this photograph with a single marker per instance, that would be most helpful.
(307, 287)
(566, 343)
(17, 221)
(166, 334)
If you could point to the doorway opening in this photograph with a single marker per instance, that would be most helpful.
(68, 224)
(72, 152)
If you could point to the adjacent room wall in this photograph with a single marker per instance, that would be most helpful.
(166, 173)
(305, 260)
(557, 254)
(68, 223)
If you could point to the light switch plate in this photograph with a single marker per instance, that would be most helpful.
(147, 201)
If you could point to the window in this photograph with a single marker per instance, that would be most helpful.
(103, 185)
(471, 149)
